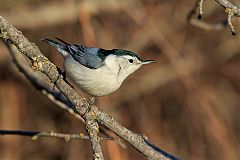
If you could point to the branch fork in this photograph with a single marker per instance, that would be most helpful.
(230, 9)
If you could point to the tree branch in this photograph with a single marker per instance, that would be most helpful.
(81, 105)
(201, 24)
(93, 130)
(46, 88)
(230, 9)
(226, 4)
(35, 79)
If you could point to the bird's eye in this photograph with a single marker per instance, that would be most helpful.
(130, 60)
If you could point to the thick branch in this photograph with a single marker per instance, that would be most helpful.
(41, 63)
(93, 130)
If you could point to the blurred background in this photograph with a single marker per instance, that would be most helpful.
(187, 102)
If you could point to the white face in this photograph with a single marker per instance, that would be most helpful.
(129, 64)
(122, 66)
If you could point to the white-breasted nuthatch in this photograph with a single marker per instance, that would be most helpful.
(97, 71)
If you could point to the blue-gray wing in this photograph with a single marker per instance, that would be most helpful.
(86, 56)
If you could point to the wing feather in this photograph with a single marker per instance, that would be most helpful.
(86, 56)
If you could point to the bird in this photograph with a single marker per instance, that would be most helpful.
(97, 71)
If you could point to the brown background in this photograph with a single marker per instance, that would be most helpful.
(187, 102)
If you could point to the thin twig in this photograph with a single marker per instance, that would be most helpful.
(201, 24)
(200, 4)
(36, 134)
(229, 19)
(230, 9)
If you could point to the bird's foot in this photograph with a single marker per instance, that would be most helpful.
(61, 74)
(91, 100)
(88, 105)
(65, 78)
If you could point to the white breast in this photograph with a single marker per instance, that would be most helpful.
(97, 82)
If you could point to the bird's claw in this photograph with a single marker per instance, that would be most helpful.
(65, 78)
(88, 105)
(91, 100)
(61, 74)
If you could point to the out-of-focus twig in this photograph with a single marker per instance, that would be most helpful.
(91, 7)
(230, 9)
(201, 24)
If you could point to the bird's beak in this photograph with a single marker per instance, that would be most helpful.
(147, 61)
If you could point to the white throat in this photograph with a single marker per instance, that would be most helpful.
(120, 67)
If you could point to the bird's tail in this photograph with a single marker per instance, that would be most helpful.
(62, 48)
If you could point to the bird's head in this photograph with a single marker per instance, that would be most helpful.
(125, 61)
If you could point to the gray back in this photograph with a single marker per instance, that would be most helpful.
(87, 56)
